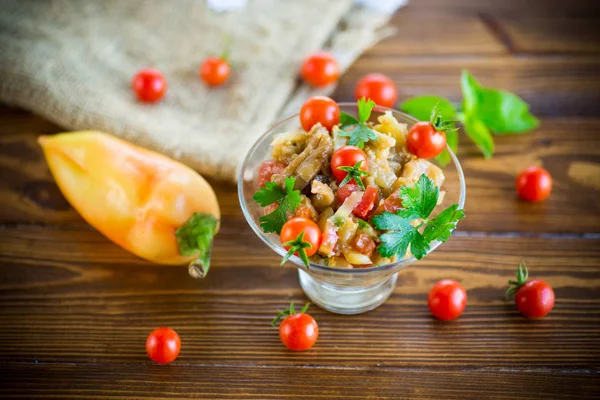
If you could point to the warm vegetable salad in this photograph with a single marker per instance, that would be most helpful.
(350, 193)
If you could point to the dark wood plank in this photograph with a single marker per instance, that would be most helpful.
(419, 33)
(185, 381)
(72, 296)
(28, 194)
(557, 34)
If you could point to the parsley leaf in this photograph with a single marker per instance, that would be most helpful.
(441, 227)
(395, 242)
(288, 200)
(361, 133)
(419, 201)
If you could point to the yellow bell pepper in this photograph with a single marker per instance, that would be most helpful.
(149, 204)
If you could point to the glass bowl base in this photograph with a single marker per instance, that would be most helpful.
(346, 300)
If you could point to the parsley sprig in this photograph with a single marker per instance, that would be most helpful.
(362, 133)
(354, 172)
(418, 202)
(288, 200)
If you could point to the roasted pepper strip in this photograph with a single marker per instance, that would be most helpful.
(151, 205)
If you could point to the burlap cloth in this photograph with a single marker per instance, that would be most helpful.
(72, 62)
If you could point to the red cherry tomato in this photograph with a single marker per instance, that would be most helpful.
(320, 69)
(163, 345)
(299, 332)
(149, 85)
(534, 184)
(367, 203)
(319, 109)
(347, 156)
(292, 229)
(214, 71)
(534, 299)
(267, 169)
(378, 88)
(424, 141)
(447, 300)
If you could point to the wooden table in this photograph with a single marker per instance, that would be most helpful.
(75, 309)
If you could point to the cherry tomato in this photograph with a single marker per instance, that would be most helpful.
(424, 141)
(447, 300)
(319, 109)
(378, 88)
(149, 85)
(320, 69)
(292, 229)
(267, 169)
(297, 331)
(163, 345)
(214, 71)
(347, 156)
(534, 299)
(534, 184)
(367, 203)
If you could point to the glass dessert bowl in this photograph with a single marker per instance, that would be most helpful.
(339, 290)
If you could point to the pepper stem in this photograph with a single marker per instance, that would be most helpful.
(195, 238)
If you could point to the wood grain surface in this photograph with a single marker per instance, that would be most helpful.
(75, 309)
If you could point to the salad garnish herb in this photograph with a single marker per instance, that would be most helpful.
(288, 200)
(483, 112)
(418, 202)
(362, 133)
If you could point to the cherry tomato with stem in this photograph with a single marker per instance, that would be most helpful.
(447, 300)
(349, 165)
(378, 88)
(215, 71)
(533, 298)
(428, 139)
(319, 109)
(320, 69)
(297, 331)
(149, 85)
(300, 236)
(534, 184)
(163, 345)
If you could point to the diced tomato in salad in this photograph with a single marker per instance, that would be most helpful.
(267, 169)
(364, 244)
(367, 203)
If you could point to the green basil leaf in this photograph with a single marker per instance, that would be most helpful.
(470, 90)
(480, 135)
(420, 107)
(504, 112)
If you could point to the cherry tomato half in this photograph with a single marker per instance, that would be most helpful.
(163, 345)
(149, 85)
(534, 184)
(534, 299)
(378, 88)
(292, 229)
(424, 141)
(320, 69)
(347, 156)
(267, 169)
(299, 332)
(215, 71)
(447, 300)
(319, 109)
